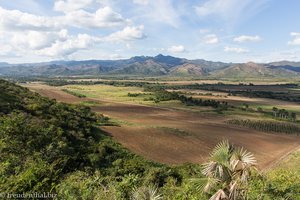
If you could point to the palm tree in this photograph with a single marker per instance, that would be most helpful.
(146, 193)
(227, 173)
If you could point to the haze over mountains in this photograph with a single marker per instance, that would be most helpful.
(159, 65)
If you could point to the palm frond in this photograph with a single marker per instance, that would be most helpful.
(221, 153)
(233, 190)
(219, 195)
(241, 164)
(205, 184)
(244, 156)
(209, 169)
(146, 193)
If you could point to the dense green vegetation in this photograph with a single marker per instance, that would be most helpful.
(163, 95)
(268, 126)
(46, 146)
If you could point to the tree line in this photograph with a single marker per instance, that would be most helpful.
(74, 93)
(284, 114)
(161, 94)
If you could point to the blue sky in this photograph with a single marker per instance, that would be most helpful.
(218, 30)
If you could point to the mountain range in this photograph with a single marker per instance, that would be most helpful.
(159, 65)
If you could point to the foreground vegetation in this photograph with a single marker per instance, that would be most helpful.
(46, 146)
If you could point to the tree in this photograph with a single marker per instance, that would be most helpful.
(293, 116)
(246, 106)
(259, 109)
(227, 173)
(275, 111)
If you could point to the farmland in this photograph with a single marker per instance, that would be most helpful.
(174, 133)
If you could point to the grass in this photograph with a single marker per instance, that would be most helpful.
(120, 94)
(90, 103)
(291, 162)
(108, 92)
(174, 131)
(288, 108)
(120, 122)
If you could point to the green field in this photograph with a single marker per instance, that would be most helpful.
(120, 94)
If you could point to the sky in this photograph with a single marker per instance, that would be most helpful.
(217, 30)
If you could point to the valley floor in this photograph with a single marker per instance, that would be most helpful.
(176, 136)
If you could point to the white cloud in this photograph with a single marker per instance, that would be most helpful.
(294, 34)
(276, 55)
(204, 30)
(7, 51)
(141, 2)
(71, 5)
(36, 40)
(28, 34)
(211, 39)
(164, 11)
(176, 49)
(127, 34)
(160, 11)
(247, 38)
(15, 20)
(235, 50)
(115, 56)
(65, 48)
(296, 38)
(229, 10)
(103, 18)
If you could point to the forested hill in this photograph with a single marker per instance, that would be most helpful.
(46, 146)
(41, 139)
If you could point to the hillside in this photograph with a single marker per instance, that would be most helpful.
(253, 70)
(145, 68)
(189, 69)
(292, 66)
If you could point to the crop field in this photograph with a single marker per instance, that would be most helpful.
(255, 102)
(173, 133)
